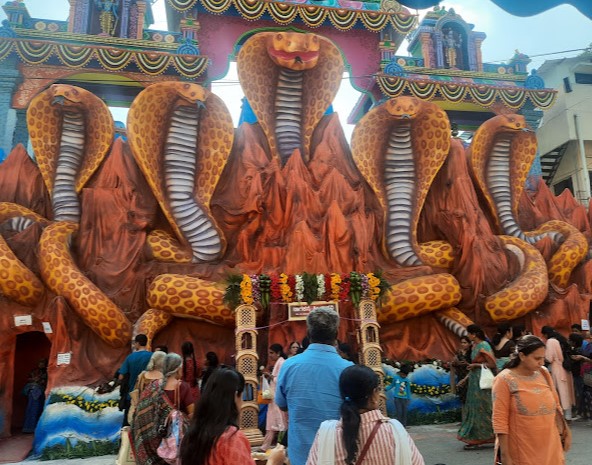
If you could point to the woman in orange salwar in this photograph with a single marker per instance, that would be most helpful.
(527, 415)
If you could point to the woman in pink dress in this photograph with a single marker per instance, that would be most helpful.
(561, 377)
(276, 419)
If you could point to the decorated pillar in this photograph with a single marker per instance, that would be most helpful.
(79, 16)
(124, 18)
(137, 20)
(21, 132)
(8, 82)
(426, 49)
(247, 361)
(369, 344)
(72, 14)
(478, 53)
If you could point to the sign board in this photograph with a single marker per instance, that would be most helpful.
(23, 320)
(47, 327)
(300, 310)
(585, 325)
(64, 358)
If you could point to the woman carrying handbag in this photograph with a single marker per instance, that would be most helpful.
(475, 429)
(363, 436)
(527, 415)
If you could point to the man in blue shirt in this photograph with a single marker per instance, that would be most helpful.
(308, 385)
(134, 364)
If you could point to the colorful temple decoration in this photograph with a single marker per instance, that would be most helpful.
(181, 227)
(455, 92)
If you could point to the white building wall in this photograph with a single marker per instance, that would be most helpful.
(559, 123)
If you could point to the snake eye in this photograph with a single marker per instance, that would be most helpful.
(279, 37)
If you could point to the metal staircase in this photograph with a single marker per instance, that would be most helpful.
(550, 162)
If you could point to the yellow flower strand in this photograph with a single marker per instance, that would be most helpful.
(374, 284)
(335, 286)
(246, 290)
(285, 288)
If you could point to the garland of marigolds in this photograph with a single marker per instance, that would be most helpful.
(263, 289)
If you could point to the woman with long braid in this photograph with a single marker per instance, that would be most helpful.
(363, 435)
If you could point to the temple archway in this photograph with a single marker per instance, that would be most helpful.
(30, 348)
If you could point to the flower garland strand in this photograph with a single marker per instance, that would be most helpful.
(299, 288)
(320, 287)
(247, 290)
(265, 289)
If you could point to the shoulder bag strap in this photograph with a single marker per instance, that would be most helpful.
(403, 453)
(562, 425)
(177, 397)
(368, 442)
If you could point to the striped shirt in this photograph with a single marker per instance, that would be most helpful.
(381, 450)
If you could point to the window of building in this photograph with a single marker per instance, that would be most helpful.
(562, 185)
(583, 78)
(566, 85)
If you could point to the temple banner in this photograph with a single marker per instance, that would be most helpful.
(299, 310)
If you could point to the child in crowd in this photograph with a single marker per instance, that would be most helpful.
(402, 387)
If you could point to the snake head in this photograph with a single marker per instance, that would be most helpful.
(193, 94)
(294, 50)
(403, 107)
(512, 122)
(64, 94)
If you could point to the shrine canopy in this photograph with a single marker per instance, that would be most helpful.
(523, 8)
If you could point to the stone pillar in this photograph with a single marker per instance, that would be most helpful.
(247, 361)
(21, 132)
(438, 46)
(79, 16)
(369, 344)
(72, 15)
(124, 15)
(8, 83)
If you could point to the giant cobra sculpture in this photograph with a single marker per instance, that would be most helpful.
(245, 202)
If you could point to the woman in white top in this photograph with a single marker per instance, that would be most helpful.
(363, 434)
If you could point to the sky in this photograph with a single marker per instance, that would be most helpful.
(560, 29)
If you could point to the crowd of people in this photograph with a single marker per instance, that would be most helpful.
(539, 387)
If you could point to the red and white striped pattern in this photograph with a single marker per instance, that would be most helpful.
(382, 449)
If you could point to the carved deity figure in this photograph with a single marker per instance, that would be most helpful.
(451, 43)
(108, 17)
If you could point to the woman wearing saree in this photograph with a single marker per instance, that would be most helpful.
(157, 400)
(503, 345)
(476, 428)
(527, 414)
